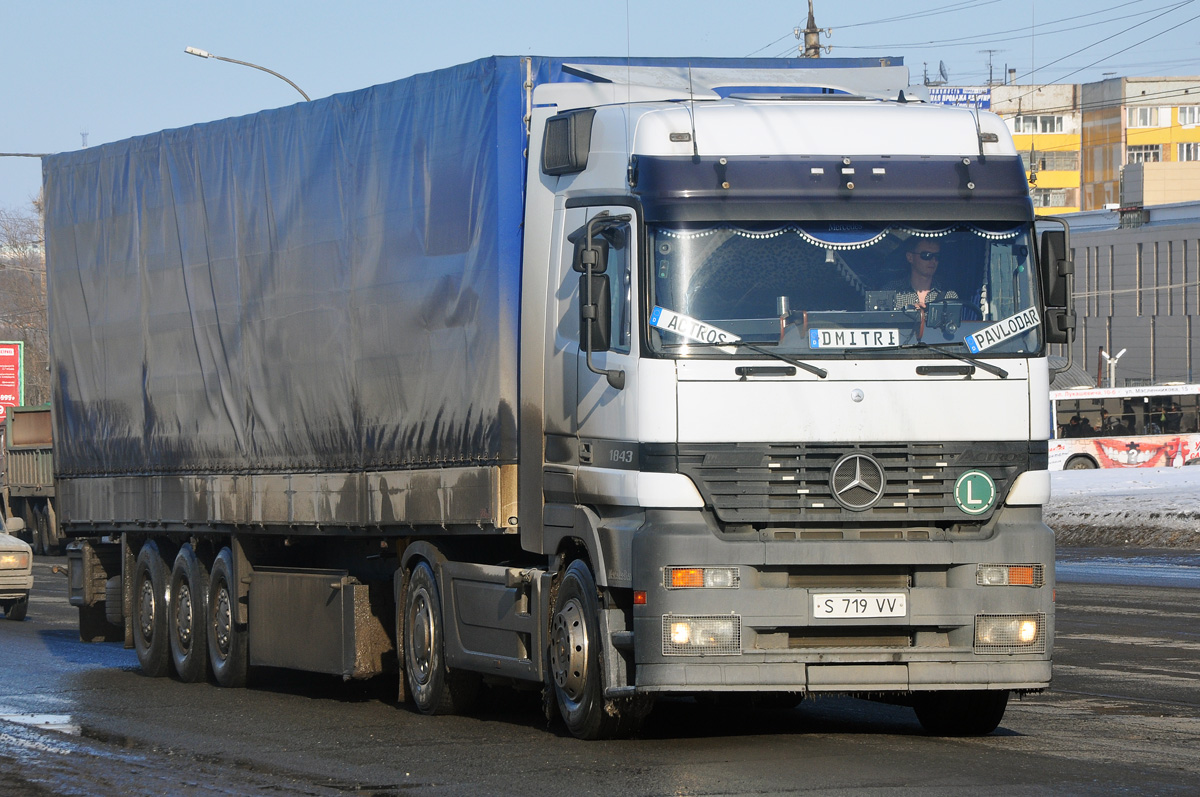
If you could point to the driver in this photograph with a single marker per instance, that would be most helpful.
(920, 287)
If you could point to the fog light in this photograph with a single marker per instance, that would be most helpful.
(1010, 633)
(712, 635)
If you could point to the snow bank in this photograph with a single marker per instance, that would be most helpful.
(1142, 507)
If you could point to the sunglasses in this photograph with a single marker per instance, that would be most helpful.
(927, 255)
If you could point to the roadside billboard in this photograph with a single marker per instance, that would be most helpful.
(12, 375)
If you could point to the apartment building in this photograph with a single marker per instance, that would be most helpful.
(1046, 127)
(1140, 139)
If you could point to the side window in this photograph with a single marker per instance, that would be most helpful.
(620, 277)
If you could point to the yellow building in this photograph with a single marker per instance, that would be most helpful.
(1046, 127)
(1140, 121)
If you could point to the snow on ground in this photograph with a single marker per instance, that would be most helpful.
(1142, 507)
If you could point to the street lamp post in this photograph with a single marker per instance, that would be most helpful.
(1112, 365)
(196, 51)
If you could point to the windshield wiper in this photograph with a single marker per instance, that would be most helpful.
(937, 347)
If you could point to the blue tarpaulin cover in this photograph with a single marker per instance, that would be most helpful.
(332, 285)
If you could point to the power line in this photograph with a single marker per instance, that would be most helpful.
(989, 38)
(932, 12)
(1106, 38)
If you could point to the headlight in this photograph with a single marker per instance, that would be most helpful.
(701, 577)
(1010, 633)
(712, 635)
(1010, 575)
(14, 560)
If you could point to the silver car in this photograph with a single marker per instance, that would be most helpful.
(16, 571)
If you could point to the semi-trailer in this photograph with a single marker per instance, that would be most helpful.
(615, 377)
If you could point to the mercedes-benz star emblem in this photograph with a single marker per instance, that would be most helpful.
(857, 481)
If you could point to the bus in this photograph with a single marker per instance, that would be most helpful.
(1148, 426)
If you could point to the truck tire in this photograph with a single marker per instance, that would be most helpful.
(16, 609)
(434, 687)
(969, 713)
(576, 663)
(33, 529)
(150, 611)
(41, 532)
(189, 618)
(227, 639)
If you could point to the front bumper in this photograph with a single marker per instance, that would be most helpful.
(15, 584)
(781, 646)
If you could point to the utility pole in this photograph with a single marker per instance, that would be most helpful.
(812, 36)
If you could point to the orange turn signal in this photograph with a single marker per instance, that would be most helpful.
(1020, 575)
(639, 597)
(687, 577)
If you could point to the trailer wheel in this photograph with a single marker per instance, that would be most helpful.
(150, 610)
(15, 609)
(189, 620)
(576, 662)
(435, 688)
(970, 713)
(227, 640)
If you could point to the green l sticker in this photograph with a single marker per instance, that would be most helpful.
(974, 492)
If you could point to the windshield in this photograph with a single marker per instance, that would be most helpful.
(830, 288)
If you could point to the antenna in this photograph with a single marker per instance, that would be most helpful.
(83, 134)
(990, 53)
(692, 112)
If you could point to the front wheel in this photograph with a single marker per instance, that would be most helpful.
(576, 663)
(967, 713)
(16, 608)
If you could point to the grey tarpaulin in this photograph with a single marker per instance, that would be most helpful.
(332, 285)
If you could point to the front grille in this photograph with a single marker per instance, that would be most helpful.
(777, 484)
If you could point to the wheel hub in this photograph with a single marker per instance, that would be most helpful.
(183, 617)
(569, 650)
(146, 608)
(421, 637)
(222, 621)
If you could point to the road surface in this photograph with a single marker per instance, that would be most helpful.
(1123, 716)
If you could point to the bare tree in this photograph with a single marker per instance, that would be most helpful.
(23, 294)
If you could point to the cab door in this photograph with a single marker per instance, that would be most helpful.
(605, 420)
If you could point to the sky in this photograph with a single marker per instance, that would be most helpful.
(117, 68)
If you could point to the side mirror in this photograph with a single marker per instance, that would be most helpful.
(1056, 267)
(595, 317)
(1058, 276)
